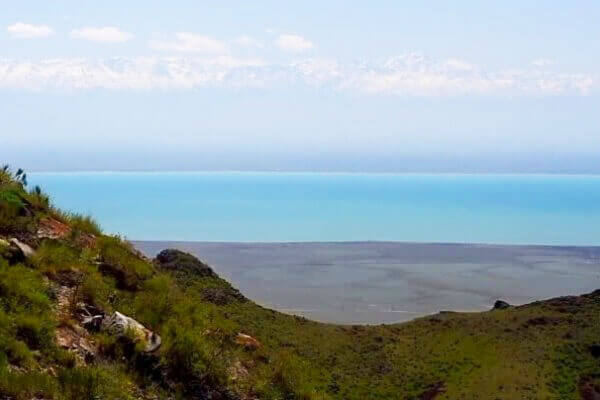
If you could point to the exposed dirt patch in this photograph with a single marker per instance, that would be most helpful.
(69, 334)
(434, 391)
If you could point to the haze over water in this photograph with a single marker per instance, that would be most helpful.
(284, 207)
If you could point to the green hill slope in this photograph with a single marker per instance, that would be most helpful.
(66, 288)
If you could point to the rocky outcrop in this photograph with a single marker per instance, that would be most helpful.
(50, 228)
(185, 267)
(120, 324)
(501, 305)
(183, 263)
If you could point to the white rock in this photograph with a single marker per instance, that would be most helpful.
(25, 248)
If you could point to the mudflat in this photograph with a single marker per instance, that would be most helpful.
(385, 282)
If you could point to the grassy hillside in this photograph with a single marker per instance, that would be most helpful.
(49, 350)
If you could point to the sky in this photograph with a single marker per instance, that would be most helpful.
(381, 86)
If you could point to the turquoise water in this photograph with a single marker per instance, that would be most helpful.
(280, 207)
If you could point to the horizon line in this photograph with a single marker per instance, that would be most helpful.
(298, 172)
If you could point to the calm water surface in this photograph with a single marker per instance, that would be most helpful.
(280, 207)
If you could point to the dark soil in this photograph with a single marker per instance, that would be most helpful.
(433, 391)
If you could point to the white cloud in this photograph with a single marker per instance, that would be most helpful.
(22, 30)
(458, 65)
(105, 34)
(407, 75)
(124, 73)
(190, 43)
(319, 71)
(542, 62)
(248, 41)
(415, 75)
(293, 43)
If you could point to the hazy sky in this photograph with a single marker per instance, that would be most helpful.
(314, 85)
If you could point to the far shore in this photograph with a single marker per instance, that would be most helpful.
(385, 282)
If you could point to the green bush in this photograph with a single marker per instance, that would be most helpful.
(119, 260)
(95, 290)
(37, 332)
(26, 317)
(13, 214)
(106, 382)
(154, 304)
(17, 352)
(289, 375)
(26, 386)
(195, 356)
(85, 224)
(22, 290)
(38, 199)
(53, 257)
(197, 342)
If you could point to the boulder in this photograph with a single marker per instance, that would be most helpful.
(247, 341)
(501, 305)
(119, 324)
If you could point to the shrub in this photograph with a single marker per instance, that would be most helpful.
(197, 342)
(95, 290)
(85, 224)
(22, 289)
(38, 199)
(53, 257)
(26, 319)
(154, 303)
(34, 330)
(289, 375)
(119, 260)
(25, 386)
(17, 353)
(195, 356)
(107, 382)
(14, 216)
